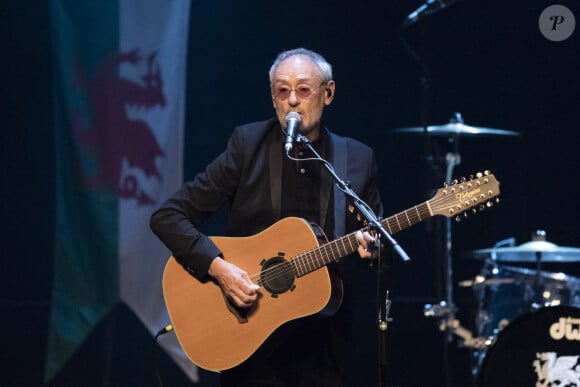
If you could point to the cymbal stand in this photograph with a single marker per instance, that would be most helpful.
(451, 161)
(446, 309)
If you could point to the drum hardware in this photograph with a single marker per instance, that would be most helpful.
(447, 323)
(479, 283)
(453, 130)
(439, 310)
(445, 311)
(506, 293)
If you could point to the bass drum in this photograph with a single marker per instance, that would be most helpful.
(537, 349)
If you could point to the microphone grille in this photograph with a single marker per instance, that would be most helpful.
(293, 116)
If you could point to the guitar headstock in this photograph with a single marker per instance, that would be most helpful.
(476, 193)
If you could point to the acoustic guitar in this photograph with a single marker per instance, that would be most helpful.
(289, 264)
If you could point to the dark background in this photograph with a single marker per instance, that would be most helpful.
(487, 60)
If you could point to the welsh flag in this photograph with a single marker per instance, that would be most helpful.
(119, 107)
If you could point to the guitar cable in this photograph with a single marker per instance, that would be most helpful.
(166, 329)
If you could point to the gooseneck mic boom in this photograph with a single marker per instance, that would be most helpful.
(431, 6)
(293, 120)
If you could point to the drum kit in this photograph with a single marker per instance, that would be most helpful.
(527, 320)
(518, 310)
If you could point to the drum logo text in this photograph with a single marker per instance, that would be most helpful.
(567, 327)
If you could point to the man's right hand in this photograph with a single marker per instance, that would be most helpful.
(235, 282)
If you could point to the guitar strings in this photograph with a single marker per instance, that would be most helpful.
(411, 216)
(281, 270)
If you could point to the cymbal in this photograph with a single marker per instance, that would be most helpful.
(533, 251)
(512, 274)
(527, 274)
(457, 129)
(480, 280)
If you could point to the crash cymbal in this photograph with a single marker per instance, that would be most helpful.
(533, 251)
(457, 129)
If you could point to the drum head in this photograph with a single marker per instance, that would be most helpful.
(537, 349)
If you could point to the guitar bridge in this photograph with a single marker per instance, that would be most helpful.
(241, 314)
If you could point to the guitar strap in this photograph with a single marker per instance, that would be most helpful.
(339, 157)
(275, 158)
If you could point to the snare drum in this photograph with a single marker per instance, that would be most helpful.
(537, 349)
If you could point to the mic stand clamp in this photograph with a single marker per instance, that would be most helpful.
(384, 319)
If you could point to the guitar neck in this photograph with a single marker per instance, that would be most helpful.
(333, 251)
(450, 201)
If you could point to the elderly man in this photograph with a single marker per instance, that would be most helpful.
(262, 184)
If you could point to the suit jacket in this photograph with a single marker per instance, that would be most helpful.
(247, 177)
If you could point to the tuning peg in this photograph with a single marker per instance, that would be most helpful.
(463, 179)
(458, 218)
(454, 182)
(479, 175)
(489, 203)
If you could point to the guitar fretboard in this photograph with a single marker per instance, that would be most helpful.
(333, 251)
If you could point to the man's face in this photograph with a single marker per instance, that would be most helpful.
(297, 87)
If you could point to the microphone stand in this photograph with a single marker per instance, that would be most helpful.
(374, 224)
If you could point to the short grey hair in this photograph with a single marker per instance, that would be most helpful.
(323, 66)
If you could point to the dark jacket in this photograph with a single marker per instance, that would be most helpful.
(247, 177)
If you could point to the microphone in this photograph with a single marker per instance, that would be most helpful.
(431, 6)
(293, 120)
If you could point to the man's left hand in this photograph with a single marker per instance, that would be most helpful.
(367, 245)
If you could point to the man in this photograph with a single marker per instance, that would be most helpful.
(262, 185)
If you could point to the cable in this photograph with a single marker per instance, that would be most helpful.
(166, 329)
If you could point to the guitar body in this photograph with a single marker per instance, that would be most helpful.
(217, 336)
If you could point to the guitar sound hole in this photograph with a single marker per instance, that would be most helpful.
(277, 275)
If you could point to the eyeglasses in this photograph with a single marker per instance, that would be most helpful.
(302, 91)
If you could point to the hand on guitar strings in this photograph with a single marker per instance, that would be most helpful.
(367, 248)
(235, 282)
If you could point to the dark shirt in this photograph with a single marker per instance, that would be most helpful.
(301, 189)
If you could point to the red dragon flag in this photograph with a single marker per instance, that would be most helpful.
(119, 106)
